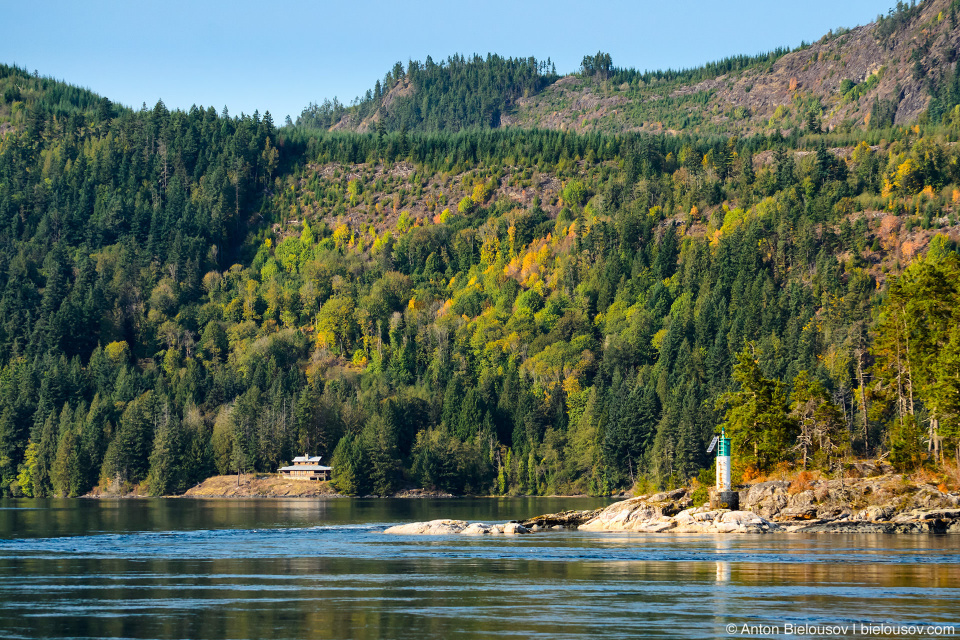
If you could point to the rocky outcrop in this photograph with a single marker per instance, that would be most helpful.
(641, 513)
(637, 515)
(766, 498)
(262, 485)
(453, 527)
(561, 520)
(668, 511)
(869, 499)
(876, 502)
(925, 524)
(812, 507)
(868, 504)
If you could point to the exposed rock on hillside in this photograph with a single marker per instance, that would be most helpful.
(840, 76)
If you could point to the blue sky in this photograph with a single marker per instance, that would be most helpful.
(279, 56)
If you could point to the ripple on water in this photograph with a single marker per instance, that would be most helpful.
(267, 571)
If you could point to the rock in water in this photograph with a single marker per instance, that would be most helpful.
(432, 528)
(473, 529)
(453, 527)
(641, 517)
(513, 528)
(560, 520)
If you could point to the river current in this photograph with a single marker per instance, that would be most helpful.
(265, 568)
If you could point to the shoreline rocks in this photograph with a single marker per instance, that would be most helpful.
(561, 520)
(666, 512)
(875, 504)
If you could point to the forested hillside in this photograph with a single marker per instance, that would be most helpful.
(459, 93)
(489, 311)
(895, 70)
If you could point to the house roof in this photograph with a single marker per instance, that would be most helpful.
(306, 467)
(307, 459)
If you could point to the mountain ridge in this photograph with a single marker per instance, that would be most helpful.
(886, 70)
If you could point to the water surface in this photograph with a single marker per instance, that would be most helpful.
(312, 568)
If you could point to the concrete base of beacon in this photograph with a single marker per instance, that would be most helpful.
(725, 500)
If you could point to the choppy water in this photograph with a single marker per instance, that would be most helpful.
(324, 569)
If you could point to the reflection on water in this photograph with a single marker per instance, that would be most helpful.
(723, 571)
(323, 569)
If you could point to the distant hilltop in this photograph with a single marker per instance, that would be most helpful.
(890, 71)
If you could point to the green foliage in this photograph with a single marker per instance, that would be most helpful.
(127, 457)
(700, 496)
(916, 351)
(574, 193)
(822, 430)
(600, 64)
(458, 93)
(189, 293)
(853, 91)
(903, 13)
(905, 447)
(447, 463)
(756, 417)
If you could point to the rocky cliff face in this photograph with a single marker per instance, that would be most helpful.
(843, 73)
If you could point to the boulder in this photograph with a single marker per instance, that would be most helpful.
(667, 496)
(696, 520)
(866, 469)
(656, 527)
(744, 522)
(767, 498)
(640, 516)
(561, 519)
(453, 527)
(475, 529)
(738, 517)
(875, 513)
(432, 528)
(941, 514)
(623, 516)
(514, 528)
(803, 499)
(929, 497)
(807, 512)
(762, 490)
(704, 515)
(726, 527)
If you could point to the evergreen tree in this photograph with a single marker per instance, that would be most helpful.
(756, 417)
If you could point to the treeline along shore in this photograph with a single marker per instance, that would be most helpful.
(478, 308)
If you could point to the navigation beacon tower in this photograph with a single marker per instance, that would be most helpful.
(725, 496)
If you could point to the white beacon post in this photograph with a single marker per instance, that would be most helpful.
(723, 464)
(725, 497)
